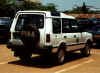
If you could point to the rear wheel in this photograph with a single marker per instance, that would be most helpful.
(86, 50)
(61, 54)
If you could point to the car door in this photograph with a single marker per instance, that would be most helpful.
(67, 35)
(56, 31)
(74, 35)
(78, 35)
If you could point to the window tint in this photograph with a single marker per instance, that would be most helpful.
(30, 19)
(56, 25)
(65, 26)
(74, 25)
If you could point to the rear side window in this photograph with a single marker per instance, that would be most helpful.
(74, 23)
(56, 25)
(74, 26)
(30, 19)
(66, 27)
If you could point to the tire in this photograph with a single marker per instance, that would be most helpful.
(30, 37)
(25, 57)
(61, 54)
(86, 50)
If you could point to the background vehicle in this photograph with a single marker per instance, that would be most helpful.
(5, 23)
(85, 24)
(42, 32)
(95, 21)
(96, 34)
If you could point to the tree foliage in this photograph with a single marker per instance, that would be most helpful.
(9, 7)
(82, 9)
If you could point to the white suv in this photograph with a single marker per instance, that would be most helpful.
(45, 32)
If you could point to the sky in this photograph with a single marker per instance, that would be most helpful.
(63, 5)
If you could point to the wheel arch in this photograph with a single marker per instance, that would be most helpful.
(62, 45)
(89, 41)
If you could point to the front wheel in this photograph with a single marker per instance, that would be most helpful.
(86, 50)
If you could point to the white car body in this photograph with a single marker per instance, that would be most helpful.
(74, 39)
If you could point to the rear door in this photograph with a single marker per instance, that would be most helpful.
(73, 36)
(56, 31)
(75, 31)
(36, 20)
(77, 35)
(67, 35)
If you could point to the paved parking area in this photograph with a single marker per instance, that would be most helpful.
(75, 64)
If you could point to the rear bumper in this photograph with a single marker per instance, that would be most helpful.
(17, 45)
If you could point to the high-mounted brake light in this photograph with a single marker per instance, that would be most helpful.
(47, 38)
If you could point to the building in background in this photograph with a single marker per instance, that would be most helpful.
(87, 21)
(85, 16)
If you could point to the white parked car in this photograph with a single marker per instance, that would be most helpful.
(45, 32)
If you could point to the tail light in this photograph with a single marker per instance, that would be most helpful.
(47, 38)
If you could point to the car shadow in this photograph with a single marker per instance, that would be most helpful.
(47, 61)
(2, 41)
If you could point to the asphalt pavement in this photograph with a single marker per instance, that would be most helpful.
(75, 63)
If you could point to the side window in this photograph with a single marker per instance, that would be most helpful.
(74, 25)
(19, 24)
(65, 26)
(56, 25)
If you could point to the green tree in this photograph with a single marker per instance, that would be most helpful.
(51, 7)
(9, 7)
(84, 9)
(35, 6)
(28, 5)
(80, 9)
(2, 2)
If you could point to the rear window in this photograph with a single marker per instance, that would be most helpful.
(30, 19)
